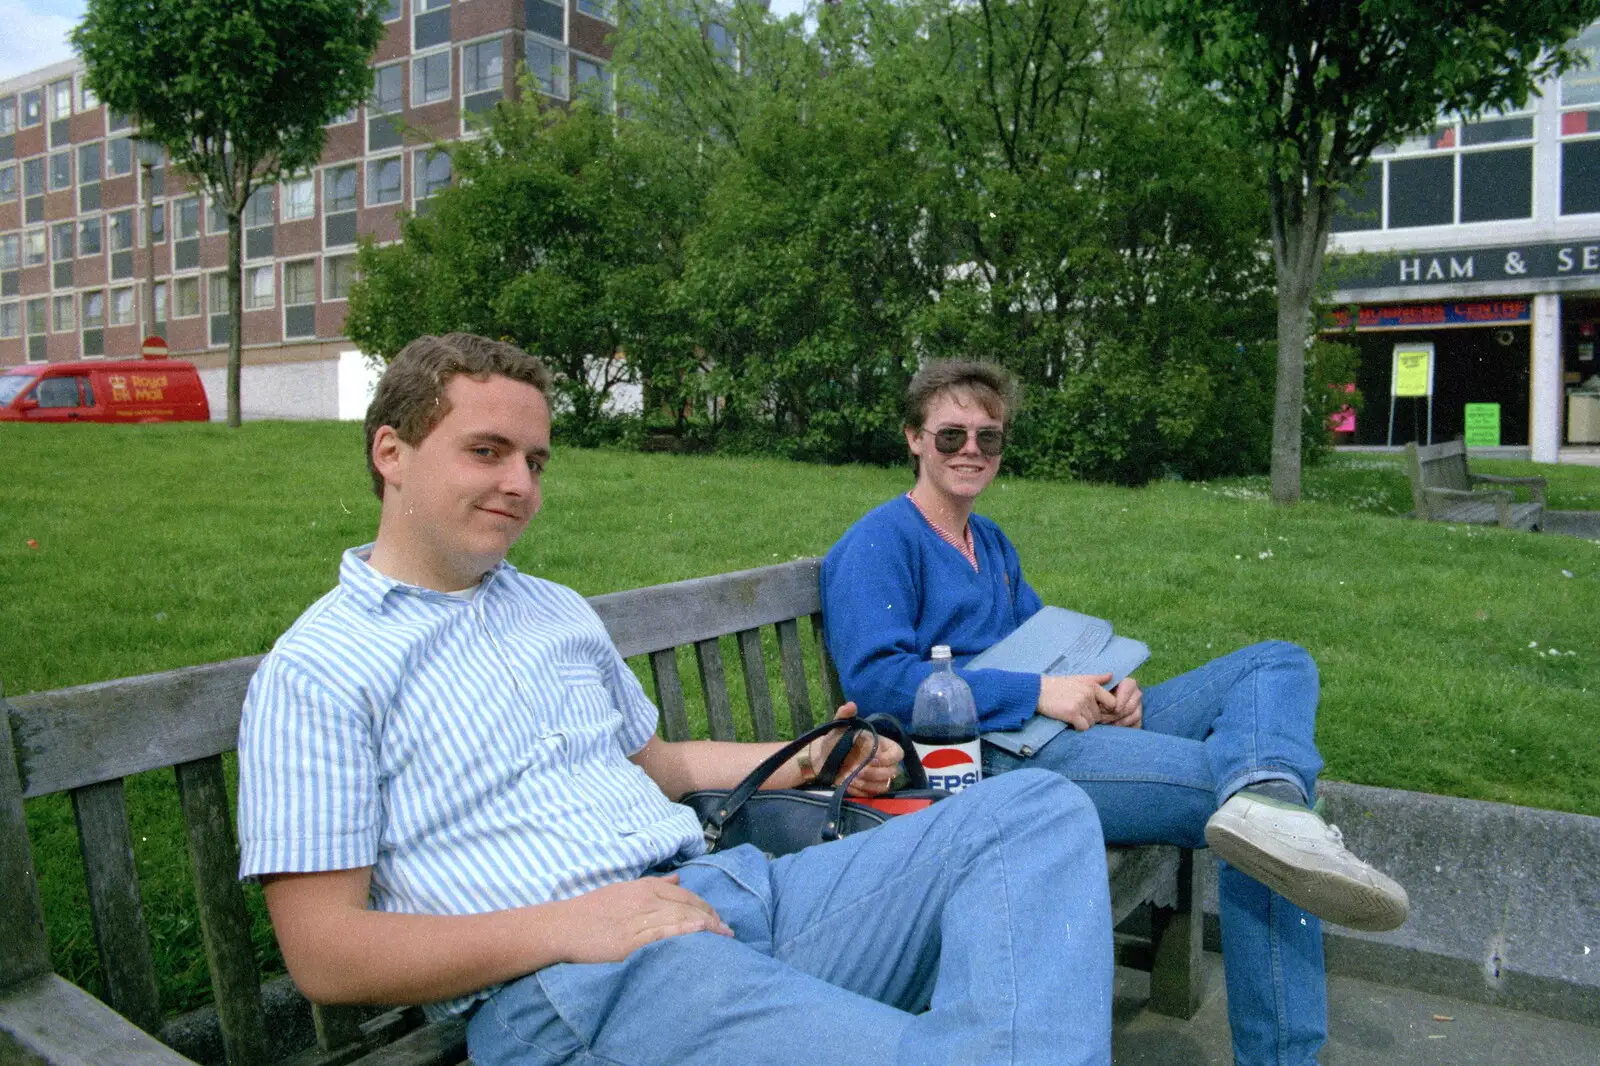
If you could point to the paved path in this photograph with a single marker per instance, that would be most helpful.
(1371, 1025)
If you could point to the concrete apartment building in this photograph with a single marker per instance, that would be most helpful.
(74, 258)
(1482, 239)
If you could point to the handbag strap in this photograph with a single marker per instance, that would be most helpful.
(770, 765)
(887, 726)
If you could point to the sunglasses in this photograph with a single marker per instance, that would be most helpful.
(991, 442)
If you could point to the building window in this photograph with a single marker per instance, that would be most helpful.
(37, 312)
(344, 118)
(338, 273)
(593, 82)
(391, 10)
(122, 230)
(122, 306)
(258, 209)
(32, 107)
(8, 183)
(547, 66)
(422, 7)
(116, 121)
(431, 171)
(33, 177)
(185, 297)
(158, 223)
(63, 318)
(89, 230)
(339, 189)
(33, 247)
(546, 18)
(600, 9)
(88, 100)
(161, 301)
(481, 67)
(388, 92)
(258, 291)
(216, 221)
(10, 251)
(119, 151)
(60, 99)
(383, 181)
(62, 245)
(1580, 131)
(89, 163)
(11, 319)
(188, 218)
(61, 170)
(8, 116)
(94, 309)
(300, 282)
(299, 198)
(217, 294)
(430, 78)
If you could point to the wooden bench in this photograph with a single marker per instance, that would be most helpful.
(1442, 490)
(84, 741)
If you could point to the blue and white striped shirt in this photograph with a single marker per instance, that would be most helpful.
(473, 752)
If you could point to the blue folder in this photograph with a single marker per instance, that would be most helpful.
(1057, 641)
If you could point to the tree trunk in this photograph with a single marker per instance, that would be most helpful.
(235, 315)
(1299, 245)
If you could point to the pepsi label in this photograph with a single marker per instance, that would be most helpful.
(951, 767)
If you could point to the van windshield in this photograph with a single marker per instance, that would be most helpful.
(11, 385)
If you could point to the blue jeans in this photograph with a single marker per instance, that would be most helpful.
(990, 910)
(1244, 718)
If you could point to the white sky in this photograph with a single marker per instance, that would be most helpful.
(34, 33)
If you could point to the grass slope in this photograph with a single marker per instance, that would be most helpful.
(168, 545)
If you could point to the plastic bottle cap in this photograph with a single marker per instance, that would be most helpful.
(941, 651)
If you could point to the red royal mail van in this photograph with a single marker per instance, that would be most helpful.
(110, 390)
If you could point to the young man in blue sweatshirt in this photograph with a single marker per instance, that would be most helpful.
(1221, 756)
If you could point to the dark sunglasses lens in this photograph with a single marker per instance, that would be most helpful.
(949, 441)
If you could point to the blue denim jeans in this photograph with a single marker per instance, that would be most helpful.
(1244, 718)
(989, 913)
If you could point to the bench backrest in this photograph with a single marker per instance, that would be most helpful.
(85, 740)
(1436, 466)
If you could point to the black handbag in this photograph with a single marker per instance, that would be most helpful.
(782, 821)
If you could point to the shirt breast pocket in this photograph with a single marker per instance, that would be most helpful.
(588, 717)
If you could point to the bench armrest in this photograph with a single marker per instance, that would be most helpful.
(1534, 485)
(57, 1021)
(1468, 494)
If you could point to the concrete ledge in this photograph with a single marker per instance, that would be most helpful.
(1505, 900)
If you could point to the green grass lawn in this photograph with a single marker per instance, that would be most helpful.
(1454, 660)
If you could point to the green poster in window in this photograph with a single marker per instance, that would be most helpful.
(1483, 425)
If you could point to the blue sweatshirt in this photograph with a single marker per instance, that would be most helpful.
(892, 588)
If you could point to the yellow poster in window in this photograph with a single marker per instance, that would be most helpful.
(1413, 370)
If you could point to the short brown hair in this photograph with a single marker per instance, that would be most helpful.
(989, 383)
(411, 394)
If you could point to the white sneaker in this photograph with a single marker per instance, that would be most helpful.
(1292, 851)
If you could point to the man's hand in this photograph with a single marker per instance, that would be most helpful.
(877, 775)
(1080, 700)
(1130, 705)
(611, 923)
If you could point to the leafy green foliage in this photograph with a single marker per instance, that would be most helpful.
(236, 91)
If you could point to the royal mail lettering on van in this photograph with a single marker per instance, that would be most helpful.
(149, 386)
(119, 389)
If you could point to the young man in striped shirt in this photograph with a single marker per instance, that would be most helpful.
(451, 788)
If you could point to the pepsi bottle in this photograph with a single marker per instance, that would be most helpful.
(944, 727)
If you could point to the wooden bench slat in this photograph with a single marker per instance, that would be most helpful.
(24, 950)
(88, 733)
(57, 1022)
(224, 922)
(669, 695)
(115, 907)
(336, 1027)
(684, 612)
(440, 1044)
(714, 685)
(753, 665)
(793, 663)
(832, 691)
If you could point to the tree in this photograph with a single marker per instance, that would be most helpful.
(236, 91)
(1319, 85)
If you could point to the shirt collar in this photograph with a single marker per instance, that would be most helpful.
(371, 589)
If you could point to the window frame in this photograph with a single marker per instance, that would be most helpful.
(375, 165)
(419, 99)
(286, 200)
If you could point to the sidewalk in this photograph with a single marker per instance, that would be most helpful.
(1369, 1025)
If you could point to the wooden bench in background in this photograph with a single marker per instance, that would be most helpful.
(1442, 490)
(84, 741)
